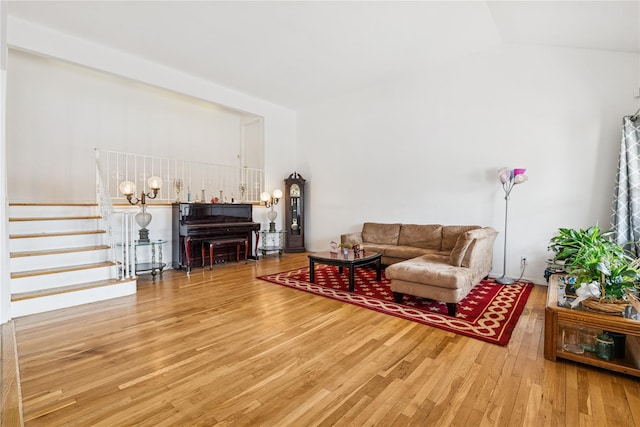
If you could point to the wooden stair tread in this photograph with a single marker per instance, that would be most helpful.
(58, 251)
(63, 233)
(30, 273)
(53, 218)
(66, 289)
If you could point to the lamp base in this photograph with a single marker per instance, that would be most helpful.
(504, 280)
(144, 235)
(272, 227)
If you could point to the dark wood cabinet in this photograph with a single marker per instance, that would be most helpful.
(294, 210)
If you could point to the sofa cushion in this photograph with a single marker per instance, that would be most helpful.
(450, 235)
(351, 238)
(380, 233)
(441, 257)
(407, 252)
(424, 271)
(460, 249)
(421, 236)
(376, 247)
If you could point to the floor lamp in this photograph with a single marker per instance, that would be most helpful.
(508, 178)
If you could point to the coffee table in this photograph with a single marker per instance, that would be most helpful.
(349, 261)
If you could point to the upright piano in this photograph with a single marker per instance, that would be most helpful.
(194, 223)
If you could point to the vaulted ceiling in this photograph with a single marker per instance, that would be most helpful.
(294, 53)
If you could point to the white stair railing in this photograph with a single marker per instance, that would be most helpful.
(127, 255)
(106, 213)
(182, 179)
(119, 229)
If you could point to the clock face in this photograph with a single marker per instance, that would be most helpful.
(295, 190)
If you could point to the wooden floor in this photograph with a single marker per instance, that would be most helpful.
(223, 348)
(10, 415)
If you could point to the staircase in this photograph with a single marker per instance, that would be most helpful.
(58, 258)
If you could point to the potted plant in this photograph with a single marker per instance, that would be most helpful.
(345, 248)
(591, 256)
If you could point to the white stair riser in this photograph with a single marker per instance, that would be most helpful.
(57, 242)
(50, 281)
(44, 262)
(58, 260)
(52, 226)
(49, 211)
(70, 299)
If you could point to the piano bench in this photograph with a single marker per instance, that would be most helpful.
(221, 243)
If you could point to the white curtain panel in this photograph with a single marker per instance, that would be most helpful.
(625, 218)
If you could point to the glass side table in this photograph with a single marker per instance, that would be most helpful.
(156, 265)
(271, 241)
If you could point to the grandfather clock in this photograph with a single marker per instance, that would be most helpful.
(294, 213)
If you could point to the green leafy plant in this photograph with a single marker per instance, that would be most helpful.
(591, 256)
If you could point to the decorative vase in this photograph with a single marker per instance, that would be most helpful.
(605, 347)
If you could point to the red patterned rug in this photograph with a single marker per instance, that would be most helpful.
(489, 313)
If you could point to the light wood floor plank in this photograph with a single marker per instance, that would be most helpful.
(10, 403)
(220, 347)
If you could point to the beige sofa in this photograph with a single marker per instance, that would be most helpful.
(433, 261)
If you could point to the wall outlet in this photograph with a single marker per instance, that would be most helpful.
(523, 261)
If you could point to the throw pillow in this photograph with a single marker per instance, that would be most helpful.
(460, 248)
(450, 234)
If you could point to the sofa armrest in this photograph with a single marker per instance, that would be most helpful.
(351, 238)
(479, 256)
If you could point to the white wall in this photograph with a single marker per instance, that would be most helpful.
(58, 113)
(426, 147)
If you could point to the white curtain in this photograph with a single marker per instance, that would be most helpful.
(625, 218)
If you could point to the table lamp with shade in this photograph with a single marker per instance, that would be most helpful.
(143, 218)
(270, 200)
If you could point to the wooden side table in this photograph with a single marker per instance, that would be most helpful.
(585, 323)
